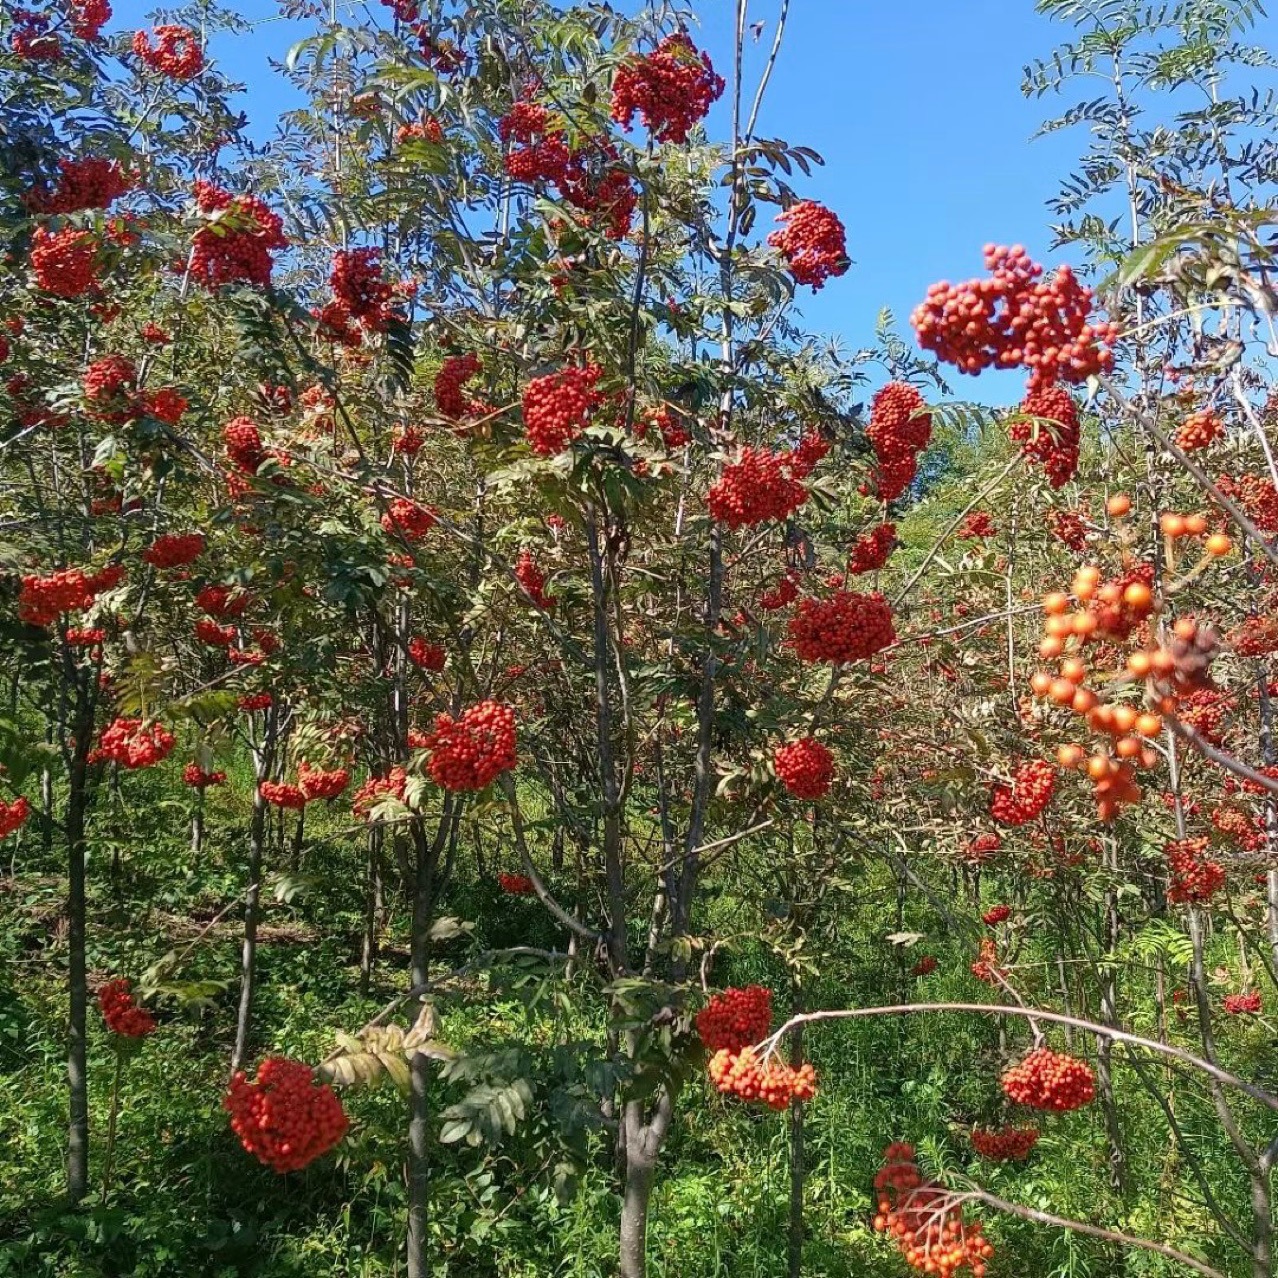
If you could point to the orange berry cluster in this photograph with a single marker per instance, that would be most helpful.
(977, 526)
(236, 244)
(426, 655)
(411, 521)
(42, 600)
(1050, 1080)
(1069, 528)
(1174, 527)
(672, 89)
(174, 550)
(813, 242)
(176, 53)
(986, 967)
(108, 381)
(1193, 877)
(132, 744)
(454, 373)
(284, 1118)
(64, 262)
(773, 1082)
(533, 580)
(1199, 430)
(900, 428)
(316, 783)
(845, 627)
(243, 442)
(1248, 1004)
(557, 407)
(470, 752)
(1014, 319)
(805, 767)
(736, 1019)
(1028, 795)
(1053, 440)
(782, 595)
(1257, 495)
(375, 789)
(282, 795)
(120, 1010)
(933, 1236)
(760, 486)
(429, 129)
(195, 776)
(90, 182)
(13, 816)
(516, 884)
(872, 550)
(1006, 1144)
(996, 914)
(981, 848)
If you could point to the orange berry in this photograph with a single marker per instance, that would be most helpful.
(1055, 603)
(1084, 700)
(1058, 627)
(1139, 664)
(1127, 747)
(1072, 668)
(1195, 525)
(1084, 624)
(1040, 682)
(1149, 725)
(1099, 766)
(1070, 756)
(1118, 505)
(1138, 596)
(1062, 691)
(1218, 544)
(1185, 628)
(1051, 648)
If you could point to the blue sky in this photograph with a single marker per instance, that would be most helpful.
(915, 105)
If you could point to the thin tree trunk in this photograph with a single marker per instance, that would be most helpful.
(643, 1142)
(77, 980)
(372, 894)
(798, 1166)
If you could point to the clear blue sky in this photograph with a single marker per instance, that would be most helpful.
(914, 104)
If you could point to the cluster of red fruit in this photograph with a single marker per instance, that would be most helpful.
(13, 816)
(813, 242)
(1069, 528)
(282, 795)
(133, 744)
(1193, 877)
(317, 783)
(871, 550)
(1257, 495)
(236, 243)
(195, 776)
(1199, 430)
(986, 967)
(533, 580)
(64, 262)
(208, 631)
(428, 130)
(782, 595)
(450, 398)
(671, 427)
(924, 1220)
(982, 848)
(557, 407)
(805, 767)
(672, 89)
(900, 428)
(771, 1081)
(42, 600)
(1014, 319)
(845, 627)
(1050, 1080)
(735, 1019)
(996, 914)
(1029, 794)
(255, 701)
(761, 485)
(1047, 428)
(360, 291)
(407, 519)
(1005, 1144)
(176, 52)
(426, 655)
(925, 966)
(392, 786)
(977, 526)
(223, 601)
(470, 752)
(285, 1118)
(174, 550)
(516, 884)
(1248, 1004)
(121, 1012)
(243, 443)
(90, 182)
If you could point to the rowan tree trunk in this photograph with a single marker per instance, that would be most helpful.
(798, 1164)
(77, 980)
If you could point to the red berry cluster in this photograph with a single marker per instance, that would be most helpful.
(255, 702)
(1254, 637)
(986, 967)
(165, 404)
(516, 884)
(454, 373)
(813, 242)
(1053, 440)
(924, 1221)
(375, 789)
(1006, 1144)
(805, 768)
(872, 550)
(1199, 430)
(176, 52)
(90, 182)
(208, 631)
(996, 914)
(360, 291)
(154, 334)
(64, 262)
(1257, 495)
(411, 521)
(1069, 528)
(236, 244)
(1193, 877)
(977, 526)
(533, 580)
(31, 38)
(470, 752)
(316, 783)
(428, 130)
(42, 600)
(408, 441)
(1050, 1080)
(782, 595)
(282, 795)
(1248, 1004)
(84, 636)
(243, 443)
(426, 655)
(671, 427)
(120, 1011)
(557, 407)
(88, 17)
(1015, 319)
(223, 601)
(195, 776)
(13, 816)
(736, 1019)
(284, 1118)
(981, 848)
(758, 487)
(773, 1082)
(174, 550)
(900, 428)
(672, 89)
(925, 966)
(845, 627)
(1028, 795)
(1205, 710)
(133, 744)
(1247, 831)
